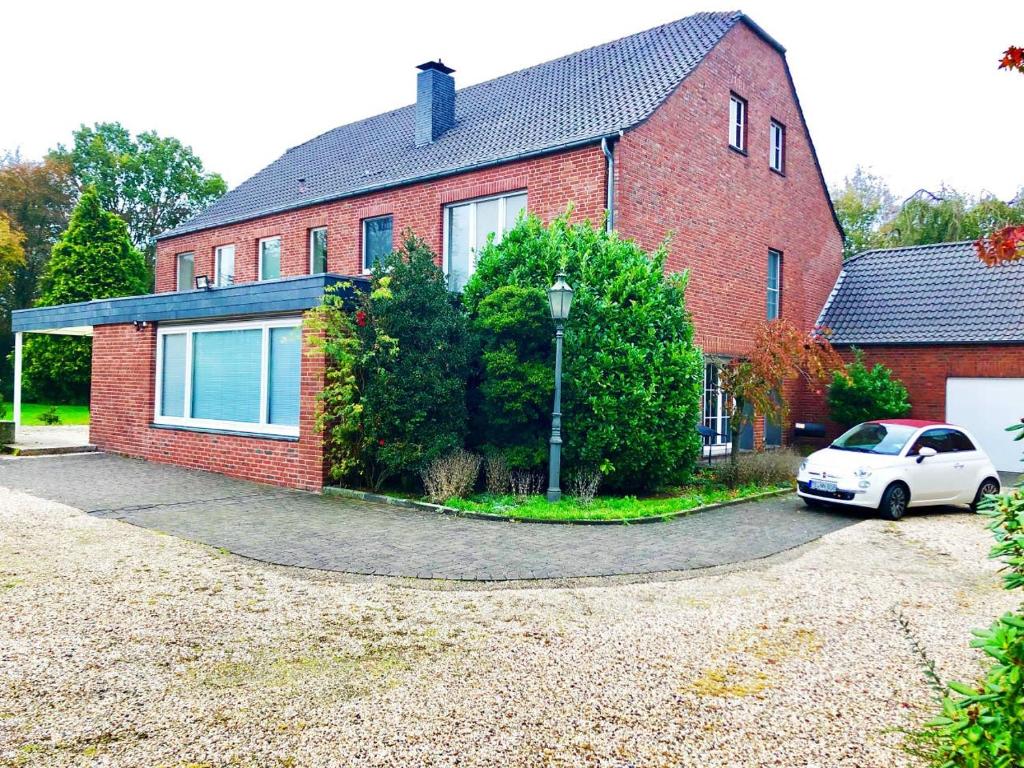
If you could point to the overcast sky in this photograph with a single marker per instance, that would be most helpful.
(909, 89)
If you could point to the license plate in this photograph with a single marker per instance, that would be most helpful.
(824, 485)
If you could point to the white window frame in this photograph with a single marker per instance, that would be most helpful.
(263, 427)
(777, 146)
(259, 255)
(368, 269)
(311, 251)
(217, 254)
(737, 122)
(502, 199)
(177, 270)
(722, 442)
(777, 288)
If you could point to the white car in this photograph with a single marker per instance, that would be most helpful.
(892, 464)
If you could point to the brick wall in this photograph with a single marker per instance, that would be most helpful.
(123, 391)
(924, 370)
(551, 182)
(676, 174)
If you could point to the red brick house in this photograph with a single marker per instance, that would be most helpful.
(691, 129)
(950, 328)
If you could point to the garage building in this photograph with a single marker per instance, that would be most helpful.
(950, 327)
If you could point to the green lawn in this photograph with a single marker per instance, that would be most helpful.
(608, 507)
(70, 415)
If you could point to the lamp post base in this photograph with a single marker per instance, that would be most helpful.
(554, 494)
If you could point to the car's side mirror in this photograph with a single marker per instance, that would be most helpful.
(924, 453)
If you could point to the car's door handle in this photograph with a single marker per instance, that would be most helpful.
(959, 465)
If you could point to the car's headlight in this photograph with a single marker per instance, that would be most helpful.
(862, 472)
(803, 466)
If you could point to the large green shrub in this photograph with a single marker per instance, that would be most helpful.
(859, 393)
(515, 384)
(632, 377)
(397, 368)
(94, 259)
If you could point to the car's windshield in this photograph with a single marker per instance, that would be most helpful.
(885, 439)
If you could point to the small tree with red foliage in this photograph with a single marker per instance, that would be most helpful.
(781, 353)
(1006, 244)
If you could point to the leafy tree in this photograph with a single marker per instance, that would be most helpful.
(780, 354)
(12, 250)
(863, 204)
(397, 368)
(37, 199)
(632, 374)
(94, 259)
(152, 182)
(415, 343)
(858, 393)
(928, 217)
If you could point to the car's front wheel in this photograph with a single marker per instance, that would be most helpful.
(894, 501)
(989, 487)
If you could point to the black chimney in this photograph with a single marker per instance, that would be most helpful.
(435, 101)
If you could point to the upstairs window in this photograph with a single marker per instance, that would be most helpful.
(776, 146)
(270, 258)
(317, 250)
(737, 123)
(467, 227)
(224, 266)
(186, 271)
(377, 240)
(774, 283)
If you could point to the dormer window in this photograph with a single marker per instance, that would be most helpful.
(737, 123)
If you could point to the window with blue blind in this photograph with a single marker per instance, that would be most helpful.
(172, 386)
(241, 377)
(285, 360)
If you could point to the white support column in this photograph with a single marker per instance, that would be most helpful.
(17, 381)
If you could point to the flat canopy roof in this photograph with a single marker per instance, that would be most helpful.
(287, 294)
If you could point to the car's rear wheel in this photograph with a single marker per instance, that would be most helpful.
(988, 487)
(894, 501)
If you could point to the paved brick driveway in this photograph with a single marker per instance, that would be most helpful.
(301, 529)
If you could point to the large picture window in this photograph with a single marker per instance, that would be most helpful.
(241, 377)
(467, 227)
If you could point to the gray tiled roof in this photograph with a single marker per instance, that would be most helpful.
(926, 294)
(572, 100)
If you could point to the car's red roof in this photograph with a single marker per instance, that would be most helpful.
(909, 422)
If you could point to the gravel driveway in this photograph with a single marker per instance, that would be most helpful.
(120, 646)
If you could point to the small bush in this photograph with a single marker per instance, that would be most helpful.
(50, 417)
(451, 476)
(859, 394)
(526, 483)
(765, 468)
(498, 476)
(583, 485)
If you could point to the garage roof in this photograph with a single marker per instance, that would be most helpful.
(926, 294)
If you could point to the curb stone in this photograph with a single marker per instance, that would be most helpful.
(393, 501)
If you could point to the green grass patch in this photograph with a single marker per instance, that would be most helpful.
(70, 415)
(681, 499)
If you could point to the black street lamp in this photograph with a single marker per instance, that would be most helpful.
(560, 299)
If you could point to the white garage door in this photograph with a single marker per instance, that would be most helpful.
(986, 407)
